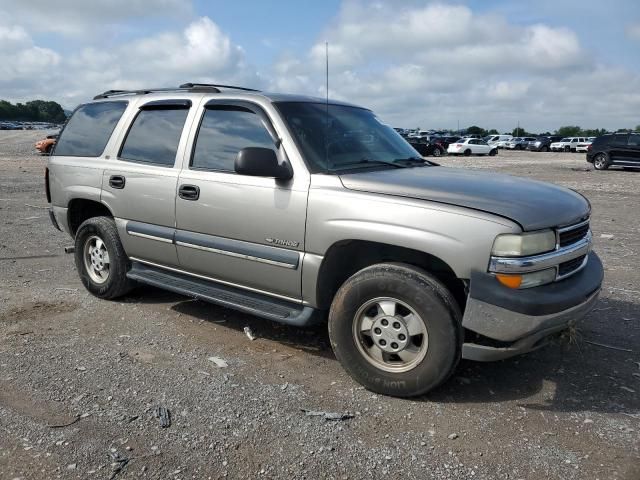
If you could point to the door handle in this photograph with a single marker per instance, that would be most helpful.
(189, 192)
(117, 181)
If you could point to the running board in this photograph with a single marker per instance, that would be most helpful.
(257, 304)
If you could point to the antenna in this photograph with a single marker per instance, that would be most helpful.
(326, 125)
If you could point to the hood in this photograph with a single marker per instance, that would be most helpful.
(532, 204)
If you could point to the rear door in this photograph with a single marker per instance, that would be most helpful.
(618, 147)
(139, 186)
(237, 229)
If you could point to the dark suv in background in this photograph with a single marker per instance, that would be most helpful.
(543, 144)
(426, 147)
(616, 149)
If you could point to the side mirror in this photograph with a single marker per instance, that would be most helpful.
(261, 162)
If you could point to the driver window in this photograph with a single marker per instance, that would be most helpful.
(223, 133)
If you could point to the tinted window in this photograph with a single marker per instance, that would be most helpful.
(89, 129)
(154, 136)
(620, 138)
(223, 133)
(634, 139)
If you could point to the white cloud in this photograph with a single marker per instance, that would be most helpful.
(414, 63)
(20, 58)
(200, 53)
(434, 64)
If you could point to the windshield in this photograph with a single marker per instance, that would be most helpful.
(355, 138)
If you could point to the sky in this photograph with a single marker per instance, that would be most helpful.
(492, 63)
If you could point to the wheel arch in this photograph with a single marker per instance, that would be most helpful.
(346, 257)
(81, 209)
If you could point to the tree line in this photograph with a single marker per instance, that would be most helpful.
(565, 131)
(33, 111)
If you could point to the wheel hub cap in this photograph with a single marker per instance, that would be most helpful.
(390, 334)
(96, 259)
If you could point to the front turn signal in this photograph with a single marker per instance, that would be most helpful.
(511, 281)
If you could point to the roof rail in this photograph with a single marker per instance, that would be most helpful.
(214, 85)
(188, 87)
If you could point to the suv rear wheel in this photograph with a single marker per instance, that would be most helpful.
(396, 330)
(100, 258)
(600, 161)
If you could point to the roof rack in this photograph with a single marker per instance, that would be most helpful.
(214, 85)
(185, 87)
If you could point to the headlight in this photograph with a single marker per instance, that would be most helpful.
(524, 244)
(528, 280)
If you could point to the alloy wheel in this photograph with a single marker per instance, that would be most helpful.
(390, 335)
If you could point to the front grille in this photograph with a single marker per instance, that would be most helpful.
(567, 268)
(569, 237)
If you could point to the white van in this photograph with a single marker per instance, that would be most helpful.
(499, 140)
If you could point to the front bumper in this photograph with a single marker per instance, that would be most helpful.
(511, 322)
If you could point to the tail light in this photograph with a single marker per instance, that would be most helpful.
(589, 148)
(46, 184)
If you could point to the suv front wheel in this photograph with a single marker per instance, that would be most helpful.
(100, 258)
(396, 330)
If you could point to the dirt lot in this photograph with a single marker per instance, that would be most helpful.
(571, 410)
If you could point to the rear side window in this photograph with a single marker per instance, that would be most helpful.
(634, 139)
(620, 139)
(154, 136)
(89, 129)
(223, 133)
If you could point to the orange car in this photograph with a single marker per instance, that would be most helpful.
(45, 145)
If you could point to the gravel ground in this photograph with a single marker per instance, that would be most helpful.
(81, 378)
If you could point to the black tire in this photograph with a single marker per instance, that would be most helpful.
(437, 152)
(436, 309)
(601, 161)
(518, 147)
(116, 282)
(467, 152)
(493, 152)
(567, 148)
(544, 149)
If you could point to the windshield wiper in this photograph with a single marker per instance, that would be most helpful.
(411, 159)
(367, 161)
(416, 161)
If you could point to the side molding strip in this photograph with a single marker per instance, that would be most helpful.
(235, 248)
(151, 232)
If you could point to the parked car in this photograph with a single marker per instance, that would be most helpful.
(250, 202)
(499, 140)
(519, 143)
(615, 149)
(426, 147)
(471, 146)
(584, 146)
(45, 145)
(543, 144)
(567, 144)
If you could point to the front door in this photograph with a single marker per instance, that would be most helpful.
(140, 185)
(630, 155)
(242, 230)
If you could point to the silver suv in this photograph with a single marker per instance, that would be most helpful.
(300, 211)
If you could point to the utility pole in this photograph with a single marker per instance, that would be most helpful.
(518, 129)
(458, 127)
